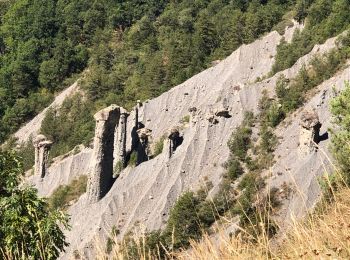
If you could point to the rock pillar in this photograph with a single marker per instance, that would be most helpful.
(121, 137)
(309, 132)
(101, 177)
(42, 147)
(143, 149)
(174, 140)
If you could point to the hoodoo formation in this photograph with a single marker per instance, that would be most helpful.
(42, 148)
(309, 135)
(101, 176)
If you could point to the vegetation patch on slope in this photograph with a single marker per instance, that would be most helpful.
(323, 20)
(66, 194)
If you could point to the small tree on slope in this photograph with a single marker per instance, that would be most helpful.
(28, 230)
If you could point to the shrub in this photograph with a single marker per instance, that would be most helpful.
(118, 169)
(183, 223)
(233, 169)
(70, 125)
(133, 159)
(65, 194)
(27, 153)
(185, 119)
(340, 107)
(28, 229)
(158, 147)
(239, 142)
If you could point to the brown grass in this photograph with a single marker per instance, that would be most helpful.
(325, 234)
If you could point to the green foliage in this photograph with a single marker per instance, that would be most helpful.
(292, 93)
(118, 168)
(341, 136)
(271, 113)
(158, 147)
(183, 223)
(234, 168)
(156, 53)
(185, 119)
(324, 19)
(133, 159)
(27, 154)
(239, 142)
(64, 194)
(190, 216)
(70, 125)
(133, 49)
(28, 230)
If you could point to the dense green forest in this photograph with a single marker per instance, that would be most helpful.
(135, 49)
(131, 50)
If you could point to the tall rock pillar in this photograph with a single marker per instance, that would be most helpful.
(42, 147)
(309, 132)
(101, 177)
(121, 137)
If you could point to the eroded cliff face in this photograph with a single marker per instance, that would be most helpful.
(197, 119)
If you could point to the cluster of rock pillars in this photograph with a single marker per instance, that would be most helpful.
(110, 146)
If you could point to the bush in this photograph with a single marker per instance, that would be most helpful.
(118, 169)
(340, 108)
(65, 194)
(133, 159)
(233, 169)
(239, 142)
(158, 147)
(292, 93)
(185, 119)
(28, 229)
(324, 19)
(27, 153)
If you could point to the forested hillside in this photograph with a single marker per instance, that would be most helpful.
(135, 49)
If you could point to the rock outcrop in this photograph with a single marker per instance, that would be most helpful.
(309, 132)
(101, 177)
(143, 149)
(175, 140)
(42, 147)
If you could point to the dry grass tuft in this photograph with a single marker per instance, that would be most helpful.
(324, 234)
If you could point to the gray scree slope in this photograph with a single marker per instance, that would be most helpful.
(146, 193)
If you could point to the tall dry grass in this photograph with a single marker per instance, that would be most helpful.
(324, 234)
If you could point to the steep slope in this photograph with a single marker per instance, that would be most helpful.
(32, 128)
(145, 194)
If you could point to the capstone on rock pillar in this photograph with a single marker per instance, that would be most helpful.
(309, 132)
(42, 148)
(101, 177)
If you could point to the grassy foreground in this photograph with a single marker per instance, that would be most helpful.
(324, 234)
